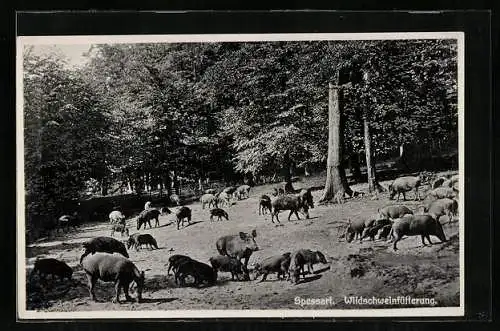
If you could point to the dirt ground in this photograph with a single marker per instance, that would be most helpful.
(364, 269)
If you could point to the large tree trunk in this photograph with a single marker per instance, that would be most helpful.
(373, 185)
(336, 180)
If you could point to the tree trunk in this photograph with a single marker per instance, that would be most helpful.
(200, 184)
(402, 158)
(175, 183)
(288, 174)
(104, 186)
(373, 185)
(335, 175)
(355, 167)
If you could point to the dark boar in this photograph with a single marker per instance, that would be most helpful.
(394, 211)
(68, 221)
(405, 184)
(277, 263)
(117, 227)
(438, 182)
(183, 213)
(355, 229)
(218, 212)
(103, 244)
(264, 204)
(174, 261)
(137, 240)
(229, 190)
(293, 203)
(240, 246)
(304, 257)
(53, 267)
(414, 225)
(146, 216)
(113, 268)
(229, 264)
(201, 272)
(383, 232)
(372, 230)
(306, 198)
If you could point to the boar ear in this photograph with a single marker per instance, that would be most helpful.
(254, 233)
(242, 235)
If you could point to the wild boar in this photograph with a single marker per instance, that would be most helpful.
(405, 184)
(116, 217)
(208, 199)
(229, 264)
(293, 203)
(242, 191)
(264, 204)
(355, 228)
(304, 257)
(137, 240)
(103, 244)
(442, 192)
(183, 214)
(394, 211)
(414, 225)
(113, 268)
(201, 272)
(175, 260)
(53, 267)
(277, 263)
(240, 246)
(219, 213)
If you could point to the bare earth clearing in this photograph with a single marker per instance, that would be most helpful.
(413, 270)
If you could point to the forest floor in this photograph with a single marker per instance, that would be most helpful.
(364, 269)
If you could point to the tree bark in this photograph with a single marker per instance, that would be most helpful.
(288, 174)
(335, 174)
(355, 167)
(373, 185)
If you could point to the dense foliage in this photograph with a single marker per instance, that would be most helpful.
(145, 114)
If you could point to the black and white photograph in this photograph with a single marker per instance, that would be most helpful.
(240, 175)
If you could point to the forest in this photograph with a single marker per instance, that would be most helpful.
(141, 117)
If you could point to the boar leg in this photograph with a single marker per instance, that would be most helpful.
(398, 238)
(118, 287)
(423, 240)
(429, 239)
(126, 286)
(264, 277)
(92, 280)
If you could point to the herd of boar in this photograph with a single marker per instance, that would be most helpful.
(108, 259)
